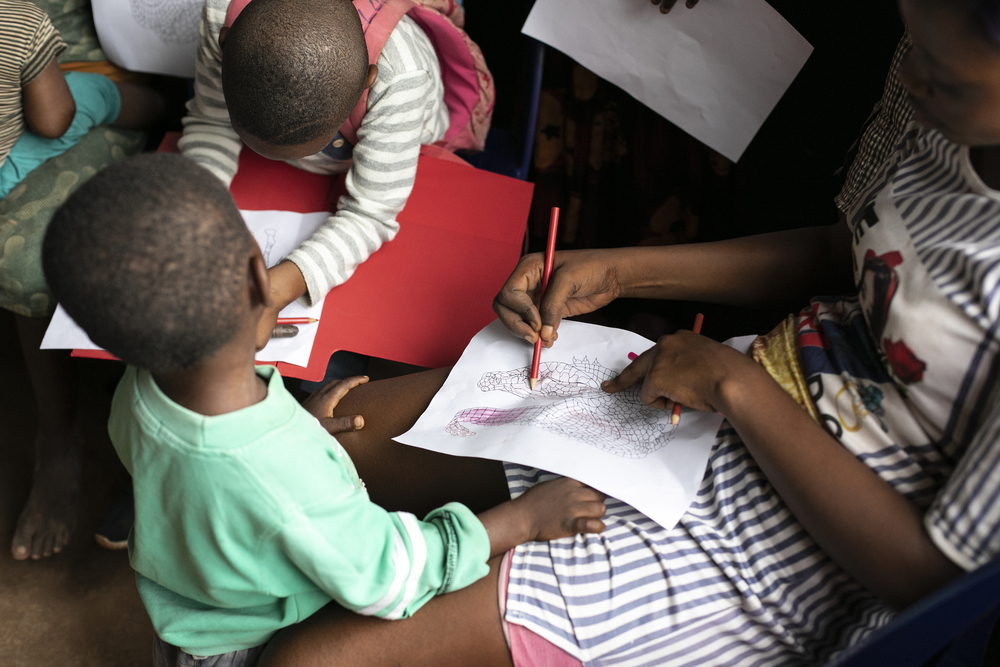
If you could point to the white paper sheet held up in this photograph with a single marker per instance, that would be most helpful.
(155, 36)
(568, 425)
(715, 71)
(277, 233)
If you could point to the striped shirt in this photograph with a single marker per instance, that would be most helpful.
(405, 109)
(29, 43)
(881, 132)
(739, 581)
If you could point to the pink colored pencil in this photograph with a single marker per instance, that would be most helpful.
(676, 415)
(550, 251)
(296, 320)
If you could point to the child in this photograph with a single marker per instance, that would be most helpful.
(43, 114)
(286, 76)
(857, 470)
(249, 515)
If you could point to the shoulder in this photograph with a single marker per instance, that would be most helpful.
(407, 51)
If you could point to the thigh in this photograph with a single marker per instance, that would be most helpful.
(405, 478)
(454, 630)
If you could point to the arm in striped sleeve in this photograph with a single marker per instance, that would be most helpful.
(378, 184)
(964, 519)
(209, 138)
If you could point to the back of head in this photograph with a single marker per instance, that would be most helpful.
(150, 257)
(292, 71)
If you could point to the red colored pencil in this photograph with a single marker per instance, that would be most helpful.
(550, 251)
(296, 320)
(676, 415)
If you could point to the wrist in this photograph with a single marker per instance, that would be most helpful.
(287, 284)
(741, 385)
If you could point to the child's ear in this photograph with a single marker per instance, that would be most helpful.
(260, 282)
(372, 75)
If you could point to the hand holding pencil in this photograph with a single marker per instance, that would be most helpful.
(683, 368)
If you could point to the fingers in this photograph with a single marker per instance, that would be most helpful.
(559, 290)
(514, 304)
(632, 375)
(334, 425)
(337, 389)
(582, 525)
(667, 5)
(691, 3)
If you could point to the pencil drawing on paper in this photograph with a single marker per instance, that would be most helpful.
(173, 21)
(268, 246)
(616, 423)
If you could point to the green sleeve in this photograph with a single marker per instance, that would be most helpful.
(385, 564)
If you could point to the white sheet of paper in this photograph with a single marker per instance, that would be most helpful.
(277, 233)
(715, 71)
(568, 425)
(155, 36)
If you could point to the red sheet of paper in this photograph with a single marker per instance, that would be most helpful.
(421, 297)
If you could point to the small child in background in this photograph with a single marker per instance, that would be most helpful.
(331, 87)
(249, 516)
(44, 112)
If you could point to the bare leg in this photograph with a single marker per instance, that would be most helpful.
(405, 478)
(454, 630)
(142, 107)
(47, 520)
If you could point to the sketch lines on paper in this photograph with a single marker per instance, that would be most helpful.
(575, 407)
(173, 21)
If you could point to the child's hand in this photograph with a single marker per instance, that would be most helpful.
(322, 402)
(561, 508)
(548, 511)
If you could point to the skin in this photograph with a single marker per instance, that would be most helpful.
(47, 521)
(953, 78)
(287, 283)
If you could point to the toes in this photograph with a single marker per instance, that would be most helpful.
(18, 551)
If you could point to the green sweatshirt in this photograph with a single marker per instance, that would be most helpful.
(251, 521)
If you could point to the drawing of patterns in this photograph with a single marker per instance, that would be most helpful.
(173, 21)
(616, 423)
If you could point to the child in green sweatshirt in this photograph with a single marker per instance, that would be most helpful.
(250, 516)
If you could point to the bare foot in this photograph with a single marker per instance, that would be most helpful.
(47, 520)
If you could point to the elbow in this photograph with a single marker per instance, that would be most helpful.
(54, 124)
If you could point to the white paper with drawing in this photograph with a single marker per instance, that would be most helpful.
(155, 36)
(277, 233)
(568, 425)
(715, 71)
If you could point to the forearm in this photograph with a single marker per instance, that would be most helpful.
(873, 532)
(507, 527)
(209, 138)
(752, 271)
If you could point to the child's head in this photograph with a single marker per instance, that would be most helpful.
(152, 259)
(952, 73)
(292, 72)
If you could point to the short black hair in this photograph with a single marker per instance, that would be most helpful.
(292, 71)
(150, 258)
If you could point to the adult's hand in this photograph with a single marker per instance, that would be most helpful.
(667, 5)
(581, 282)
(687, 368)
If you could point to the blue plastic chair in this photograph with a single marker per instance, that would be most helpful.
(509, 152)
(950, 628)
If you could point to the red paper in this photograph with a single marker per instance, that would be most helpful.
(421, 297)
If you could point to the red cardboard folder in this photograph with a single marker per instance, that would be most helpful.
(421, 297)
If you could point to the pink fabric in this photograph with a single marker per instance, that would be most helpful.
(526, 648)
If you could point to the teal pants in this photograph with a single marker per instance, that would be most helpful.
(97, 103)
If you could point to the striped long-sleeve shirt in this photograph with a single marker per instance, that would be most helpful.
(29, 43)
(405, 109)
